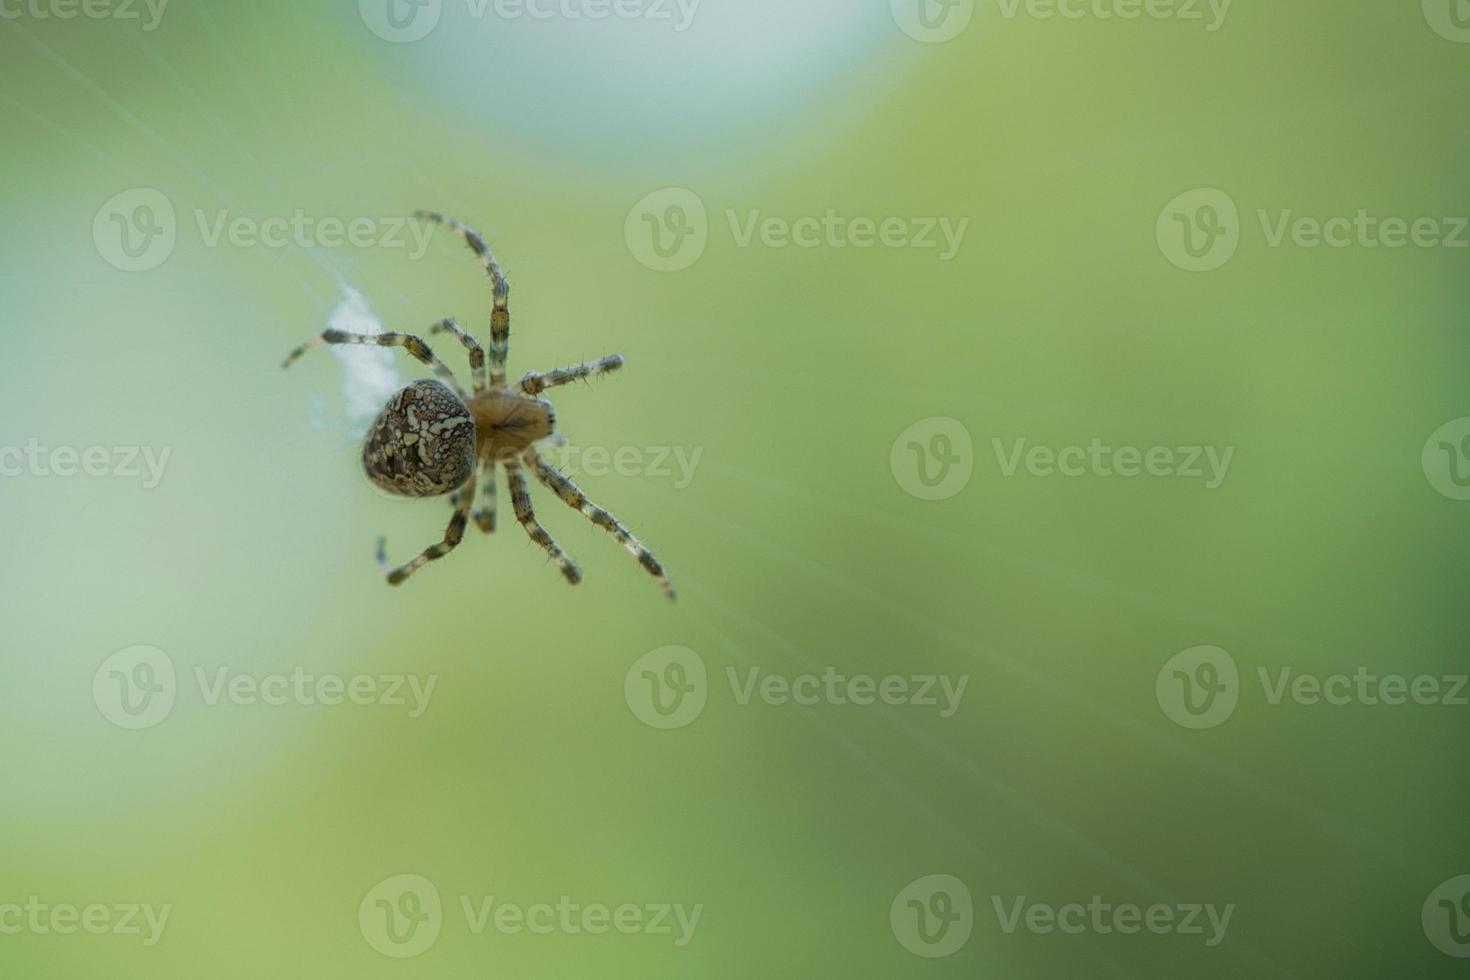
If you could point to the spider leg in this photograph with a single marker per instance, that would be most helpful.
(485, 516)
(500, 286)
(520, 499)
(577, 500)
(534, 384)
(408, 342)
(477, 353)
(453, 535)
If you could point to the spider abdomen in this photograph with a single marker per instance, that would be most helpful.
(422, 444)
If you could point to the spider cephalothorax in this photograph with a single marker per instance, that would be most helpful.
(429, 436)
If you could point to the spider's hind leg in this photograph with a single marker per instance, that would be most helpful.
(520, 499)
(574, 498)
(464, 499)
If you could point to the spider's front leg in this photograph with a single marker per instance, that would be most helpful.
(464, 499)
(534, 384)
(408, 342)
(476, 352)
(499, 288)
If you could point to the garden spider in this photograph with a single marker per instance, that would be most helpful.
(431, 437)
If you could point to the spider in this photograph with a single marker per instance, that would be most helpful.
(433, 440)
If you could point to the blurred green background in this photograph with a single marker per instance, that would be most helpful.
(796, 544)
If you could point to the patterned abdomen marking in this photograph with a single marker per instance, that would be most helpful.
(423, 443)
